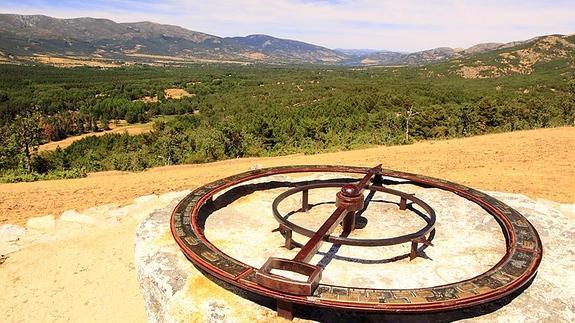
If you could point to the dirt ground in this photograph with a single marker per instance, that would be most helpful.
(130, 129)
(91, 277)
(88, 278)
(74, 61)
(176, 94)
(537, 163)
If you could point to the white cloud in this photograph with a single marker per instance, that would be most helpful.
(385, 24)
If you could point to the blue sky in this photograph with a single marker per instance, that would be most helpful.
(407, 25)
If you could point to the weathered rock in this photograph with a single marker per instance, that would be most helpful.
(73, 216)
(171, 196)
(10, 235)
(174, 290)
(101, 211)
(568, 208)
(11, 232)
(145, 204)
(120, 212)
(73, 223)
(147, 199)
(43, 223)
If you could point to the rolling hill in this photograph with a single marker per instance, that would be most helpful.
(105, 43)
(29, 36)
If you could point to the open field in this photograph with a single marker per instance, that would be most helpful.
(73, 61)
(537, 163)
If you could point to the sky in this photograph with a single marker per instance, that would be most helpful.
(400, 25)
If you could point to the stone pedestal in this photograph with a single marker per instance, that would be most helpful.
(175, 291)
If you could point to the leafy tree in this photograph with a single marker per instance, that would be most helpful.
(568, 105)
(27, 136)
(234, 142)
(298, 110)
(105, 121)
(8, 149)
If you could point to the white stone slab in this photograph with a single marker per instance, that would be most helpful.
(42, 223)
(74, 216)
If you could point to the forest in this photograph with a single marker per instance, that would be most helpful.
(255, 110)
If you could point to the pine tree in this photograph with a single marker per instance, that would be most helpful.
(28, 136)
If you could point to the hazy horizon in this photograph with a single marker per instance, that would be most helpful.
(408, 26)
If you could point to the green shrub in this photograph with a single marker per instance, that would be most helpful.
(16, 177)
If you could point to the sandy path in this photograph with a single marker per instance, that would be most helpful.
(538, 163)
(86, 278)
(131, 130)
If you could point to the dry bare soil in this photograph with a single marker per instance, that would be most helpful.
(537, 163)
(130, 129)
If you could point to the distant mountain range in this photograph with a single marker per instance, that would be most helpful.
(90, 41)
(143, 41)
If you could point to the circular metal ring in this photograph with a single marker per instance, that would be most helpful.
(354, 241)
(517, 267)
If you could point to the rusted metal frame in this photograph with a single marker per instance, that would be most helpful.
(414, 244)
(305, 200)
(403, 203)
(313, 244)
(265, 276)
(284, 309)
(347, 200)
(288, 239)
(348, 223)
(344, 209)
(298, 264)
(508, 231)
(351, 198)
(370, 173)
(352, 241)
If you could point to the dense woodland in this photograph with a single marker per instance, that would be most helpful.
(256, 111)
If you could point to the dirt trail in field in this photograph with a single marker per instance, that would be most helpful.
(538, 163)
(131, 130)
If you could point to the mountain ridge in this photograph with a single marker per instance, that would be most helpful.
(78, 41)
(22, 35)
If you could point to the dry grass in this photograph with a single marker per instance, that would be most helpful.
(176, 94)
(538, 163)
(74, 61)
(148, 99)
(255, 55)
(175, 59)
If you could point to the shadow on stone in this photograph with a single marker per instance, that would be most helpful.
(238, 192)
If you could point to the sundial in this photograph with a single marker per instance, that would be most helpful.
(313, 208)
